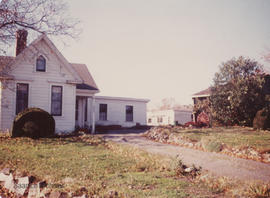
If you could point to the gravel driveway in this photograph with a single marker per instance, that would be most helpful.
(217, 164)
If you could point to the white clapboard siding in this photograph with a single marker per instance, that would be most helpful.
(168, 117)
(116, 111)
(40, 87)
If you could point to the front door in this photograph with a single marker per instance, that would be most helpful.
(81, 112)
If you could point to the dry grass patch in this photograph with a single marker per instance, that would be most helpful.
(99, 168)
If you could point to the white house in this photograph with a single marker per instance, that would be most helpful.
(40, 76)
(126, 112)
(168, 117)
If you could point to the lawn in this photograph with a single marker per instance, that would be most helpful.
(236, 137)
(232, 137)
(101, 168)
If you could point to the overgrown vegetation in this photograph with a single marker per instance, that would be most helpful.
(214, 139)
(237, 93)
(103, 169)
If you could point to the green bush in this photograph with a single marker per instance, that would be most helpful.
(237, 93)
(211, 145)
(34, 123)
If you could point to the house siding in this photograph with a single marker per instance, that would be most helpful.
(116, 111)
(40, 87)
(169, 117)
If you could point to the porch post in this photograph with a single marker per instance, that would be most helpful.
(93, 116)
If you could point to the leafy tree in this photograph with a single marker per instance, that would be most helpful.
(36, 16)
(237, 93)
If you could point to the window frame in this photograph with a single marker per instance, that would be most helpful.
(61, 104)
(27, 100)
(106, 113)
(132, 117)
(45, 65)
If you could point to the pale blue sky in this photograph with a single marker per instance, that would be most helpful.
(165, 48)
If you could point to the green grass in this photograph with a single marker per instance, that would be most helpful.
(236, 137)
(98, 166)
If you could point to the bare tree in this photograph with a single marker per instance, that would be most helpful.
(36, 16)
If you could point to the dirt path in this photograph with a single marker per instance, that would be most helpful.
(217, 164)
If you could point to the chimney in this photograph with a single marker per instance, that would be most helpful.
(21, 36)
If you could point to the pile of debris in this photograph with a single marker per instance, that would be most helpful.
(15, 184)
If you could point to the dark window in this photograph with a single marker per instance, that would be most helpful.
(77, 109)
(159, 119)
(56, 104)
(129, 113)
(103, 111)
(41, 64)
(85, 110)
(21, 97)
(149, 120)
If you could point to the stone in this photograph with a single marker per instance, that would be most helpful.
(22, 185)
(34, 191)
(9, 183)
(266, 157)
(55, 194)
(6, 171)
(188, 170)
(3, 177)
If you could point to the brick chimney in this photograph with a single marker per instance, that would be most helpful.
(21, 36)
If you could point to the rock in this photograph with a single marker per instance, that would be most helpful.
(3, 177)
(188, 170)
(9, 183)
(266, 157)
(83, 196)
(253, 152)
(34, 191)
(6, 171)
(22, 185)
(55, 194)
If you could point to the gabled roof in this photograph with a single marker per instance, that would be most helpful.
(83, 72)
(84, 79)
(66, 64)
(205, 92)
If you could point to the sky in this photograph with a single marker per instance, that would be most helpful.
(159, 49)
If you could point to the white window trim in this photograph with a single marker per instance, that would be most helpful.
(29, 94)
(50, 101)
(35, 64)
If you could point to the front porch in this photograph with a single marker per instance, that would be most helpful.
(85, 111)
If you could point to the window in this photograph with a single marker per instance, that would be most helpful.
(129, 113)
(159, 119)
(149, 120)
(22, 92)
(56, 103)
(77, 109)
(41, 64)
(103, 111)
(85, 110)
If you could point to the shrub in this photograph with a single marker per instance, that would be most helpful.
(262, 119)
(211, 145)
(237, 93)
(34, 123)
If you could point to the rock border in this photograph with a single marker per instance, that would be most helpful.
(157, 134)
(18, 185)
